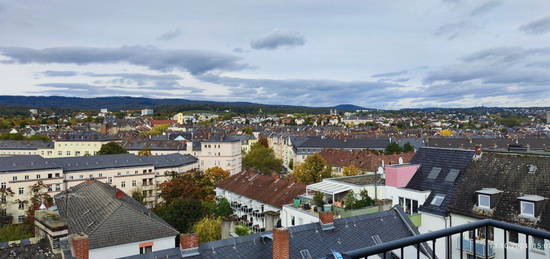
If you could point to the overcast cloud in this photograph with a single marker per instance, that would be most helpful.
(380, 54)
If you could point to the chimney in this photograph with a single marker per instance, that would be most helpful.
(326, 217)
(189, 241)
(89, 181)
(79, 246)
(478, 151)
(281, 243)
(119, 194)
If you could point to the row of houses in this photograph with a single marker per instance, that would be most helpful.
(127, 172)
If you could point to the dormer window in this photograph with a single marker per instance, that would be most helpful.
(527, 209)
(484, 201)
(438, 199)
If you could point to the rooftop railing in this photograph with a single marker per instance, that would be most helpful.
(425, 244)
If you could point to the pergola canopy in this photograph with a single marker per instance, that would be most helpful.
(328, 188)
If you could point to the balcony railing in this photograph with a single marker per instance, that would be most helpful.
(427, 242)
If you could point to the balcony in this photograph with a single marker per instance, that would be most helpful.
(478, 249)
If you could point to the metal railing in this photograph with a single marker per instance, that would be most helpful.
(426, 243)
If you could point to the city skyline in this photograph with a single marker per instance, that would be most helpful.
(445, 53)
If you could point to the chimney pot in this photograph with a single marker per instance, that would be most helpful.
(119, 194)
(281, 243)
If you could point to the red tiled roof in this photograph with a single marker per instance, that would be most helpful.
(364, 160)
(160, 122)
(268, 189)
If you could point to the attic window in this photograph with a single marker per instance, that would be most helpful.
(452, 175)
(434, 173)
(484, 201)
(438, 199)
(527, 209)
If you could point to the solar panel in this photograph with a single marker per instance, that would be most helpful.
(434, 173)
(452, 175)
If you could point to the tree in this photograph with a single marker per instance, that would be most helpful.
(262, 159)
(350, 170)
(223, 208)
(4, 194)
(393, 148)
(408, 147)
(263, 140)
(446, 133)
(39, 195)
(318, 199)
(137, 195)
(312, 170)
(146, 151)
(349, 200)
(111, 148)
(247, 131)
(242, 231)
(181, 186)
(208, 229)
(216, 174)
(14, 232)
(182, 213)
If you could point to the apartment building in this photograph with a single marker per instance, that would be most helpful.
(124, 171)
(55, 148)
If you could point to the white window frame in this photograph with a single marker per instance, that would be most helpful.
(526, 214)
(483, 206)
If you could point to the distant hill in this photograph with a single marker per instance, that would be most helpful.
(170, 105)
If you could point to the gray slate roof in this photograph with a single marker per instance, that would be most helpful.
(359, 143)
(92, 208)
(169, 160)
(98, 162)
(446, 159)
(25, 144)
(348, 234)
(25, 163)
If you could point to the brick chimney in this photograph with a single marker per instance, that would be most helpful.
(79, 246)
(326, 217)
(189, 241)
(281, 243)
(478, 151)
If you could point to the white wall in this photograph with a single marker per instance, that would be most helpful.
(300, 217)
(131, 248)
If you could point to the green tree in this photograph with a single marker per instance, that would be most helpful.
(137, 194)
(208, 229)
(111, 148)
(393, 148)
(242, 231)
(223, 208)
(183, 186)
(408, 147)
(182, 213)
(14, 232)
(39, 195)
(247, 131)
(146, 151)
(312, 170)
(349, 200)
(262, 159)
(318, 199)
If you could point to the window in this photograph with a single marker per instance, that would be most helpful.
(438, 199)
(538, 243)
(527, 209)
(21, 190)
(21, 219)
(145, 249)
(452, 175)
(3, 185)
(134, 183)
(50, 176)
(490, 236)
(434, 173)
(21, 205)
(513, 236)
(123, 184)
(37, 176)
(68, 153)
(14, 178)
(58, 187)
(415, 207)
(110, 179)
(57, 175)
(26, 177)
(484, 201)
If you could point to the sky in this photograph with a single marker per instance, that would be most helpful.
(372, 53)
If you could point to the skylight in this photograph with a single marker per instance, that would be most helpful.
(438, 199)
(434, 173)
(452, 175)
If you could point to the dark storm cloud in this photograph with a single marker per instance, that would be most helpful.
(536, 27)
(59, 73)
(194, 61)
(276, 39)
(170, 35)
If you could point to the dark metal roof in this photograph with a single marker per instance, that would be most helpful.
(98, 162)
(358, 143)
(25, 144)
(169, 160)
(443, 158)
(26, 163)
(92, 208)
